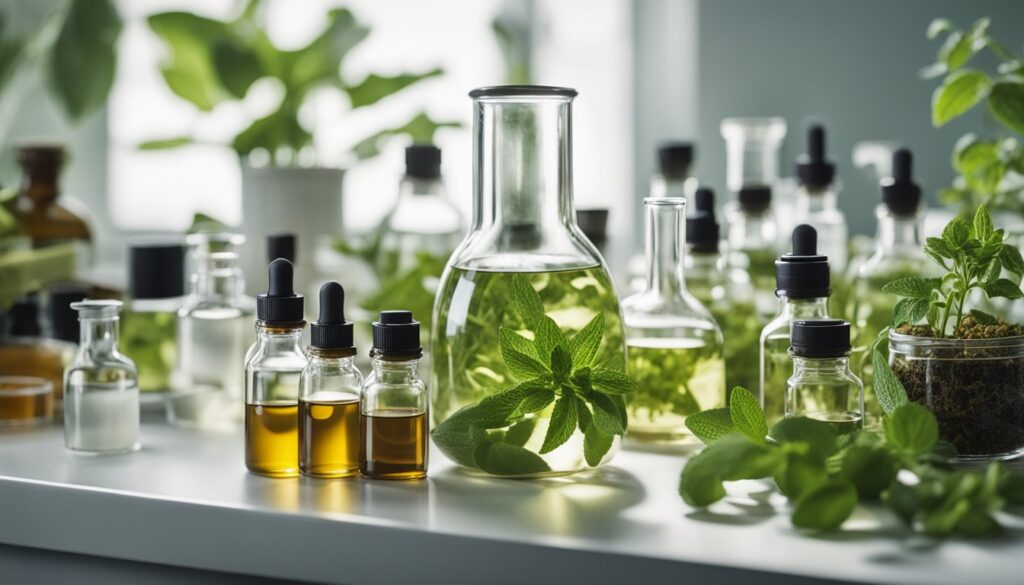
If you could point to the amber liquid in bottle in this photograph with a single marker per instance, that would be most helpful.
(329, 438)
(22, 409)
(272, 439)
(395, 445)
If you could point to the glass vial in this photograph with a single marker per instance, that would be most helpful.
(816, 200)
(273, 367)
(822, 386)
(393, 403)
(803, 289)
(101, 390)
(673, 345)
(329, 393)
(214, 328)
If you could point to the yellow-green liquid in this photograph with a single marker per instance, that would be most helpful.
(150, 340)
(840, 422)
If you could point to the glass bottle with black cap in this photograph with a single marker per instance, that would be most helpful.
(752, 237)
(822, 386)
(393, 403)
(273, 367)
(329, 393)
(816, 200)
(803, 290)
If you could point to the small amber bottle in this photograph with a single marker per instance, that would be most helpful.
(41, 217)
(393, 403)
(329, 393)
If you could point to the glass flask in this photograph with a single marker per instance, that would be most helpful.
(899, 253)
(523, 244)
(214, 329)
(803, 290)
(673, 345)
(101, 390)
(822, 386)
(816, 200)
(725, 292)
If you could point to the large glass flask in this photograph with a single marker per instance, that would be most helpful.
(673, 345)
(524, 245)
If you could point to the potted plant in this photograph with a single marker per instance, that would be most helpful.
(964, 365)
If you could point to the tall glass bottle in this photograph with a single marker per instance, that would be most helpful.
(822, 386)
(725, 292)
(273, 367)
(899, 253)
(101, 391)
(803, 291)
(816, 200)
(524, 232)
(673, 345)
(214, 328)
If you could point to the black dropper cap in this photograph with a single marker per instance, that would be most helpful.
(755, 198)
(156, 269)
(331, 330)
(423, 161)
(824, 338)
(803, 274)
(397, 333)
(900, 193)
(280, 304)
(812, 168)
(282, 245)
(63, 319)
(23, 317)
(675, 159)
(701, 226)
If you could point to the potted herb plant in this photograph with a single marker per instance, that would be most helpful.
(964, 365)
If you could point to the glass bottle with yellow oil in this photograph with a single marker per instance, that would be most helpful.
(273, 367)
(822, 386)
(329, 393)
(393, 403)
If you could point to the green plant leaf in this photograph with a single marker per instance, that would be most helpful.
(525, 300)
(459, 443)
(421, 129)
(984, 318)
(189, 71)
(710, 425)
(611, 381)
(536, 402)
(596, 444)
(585, 344)
(940, 247)
(548, 336)
(956, 232)
(818, 436)
(888, 389)
(871, 469)
(320, 60)
(1003, 288)
(1011, 260)
(733, 457)
(496, 410)
(800, 474)
(561, 363)
(237, 66)
(911, 287)
(80, 67)
(280, 129)
(606, 415)
(508, 460)
(1011, 488)
(508, 338)
(1007, 104)
(584, 418)
(961, 91)
(519, 433)
(166, 143)
(747, 415)
(522, 366)
(911, 428)
(938, 26)
(909, 310)
(375, 87)
(561, 425)
(981, 227)
(826, 507)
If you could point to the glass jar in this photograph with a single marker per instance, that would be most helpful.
(974, 387)
(822, 386)
(673, 345)
(25, 401)
(40, 211)
(101, 389)
(524, 232)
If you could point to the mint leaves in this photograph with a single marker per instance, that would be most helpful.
(826, 475)
(974, 256)
(551, 370)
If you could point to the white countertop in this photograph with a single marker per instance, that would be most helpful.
(185, 499)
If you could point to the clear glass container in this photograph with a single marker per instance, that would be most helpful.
(752, 148)
(101, 390)
(214, 328)
(25, 401)
(815, 203)
(753, 246)
(673, 345)
(822, 386)
(40, 211)
(524, 229)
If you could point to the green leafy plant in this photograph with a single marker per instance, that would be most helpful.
(552, 371)
(974, 256)
(991, 171)
(826, 476)
(212, 61)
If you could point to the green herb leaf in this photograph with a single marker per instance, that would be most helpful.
(525, 300)
(561, 363)
(984, 318)
(521, 365)
(888, 389)
(587, 341)
(562, 424)
(548, 336)
(911, 428)
(611, 381)
(375, 87)
(939, 26)
(826, 507)
(733, 457)
(940, 247)
(535, 402)
(512, 340)
(871, 469)
(596, 444)
(961, 91)
(710, 425)
(818, 436)
(497, 410)
(1003, 288)
(584, 418)
(911, 287)
(606, 415)
(981, 227)
(1007, 104)
(956, 232)
(519, 433)
(509, 460)
(458, 443)
(747, 415)
(1011, 488)
(800, 474)
(908, 310)
(1010, 257)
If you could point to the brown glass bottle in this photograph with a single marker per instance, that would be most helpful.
(41, 217)
(395, 445)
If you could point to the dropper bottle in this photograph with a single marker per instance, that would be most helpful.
(753, 236)
(816, 200)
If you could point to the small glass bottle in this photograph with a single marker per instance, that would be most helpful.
(37, 210)
(753, 233)
(25, 352)
(149, 328)
(329, 393)
(822, 386)
(803, 289)
(393, 403)
(673, 345)
(273, 367)
(816, 200)
(725, 292)
(101, 390)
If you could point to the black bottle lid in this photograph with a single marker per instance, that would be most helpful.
(701, 226)
(823, 338)
(331, 330)
(755, 198)
(280, 304)
(803, 274)
(675, 159)
(900, 193)
(594, 224)
(282, 245)
(813, 169)
(23, 317)
(397, 333)
(156, 269)
(423, 161)
(63, 319)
